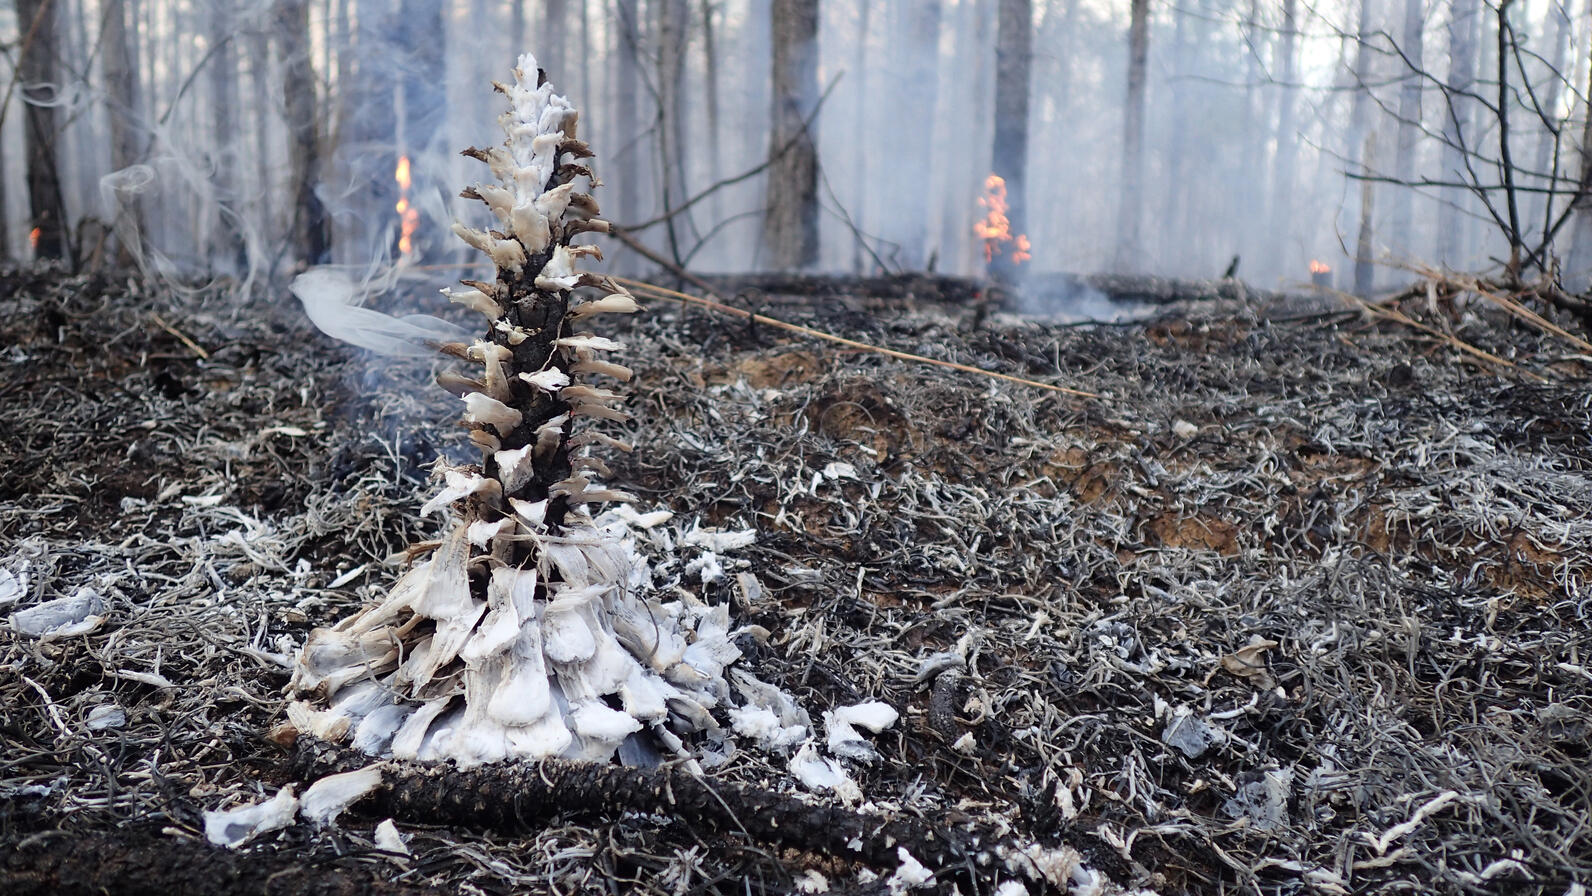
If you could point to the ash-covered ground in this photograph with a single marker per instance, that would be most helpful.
(1299, 604)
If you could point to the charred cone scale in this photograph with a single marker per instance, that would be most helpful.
(527, 632)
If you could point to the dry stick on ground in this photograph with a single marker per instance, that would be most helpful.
(1544, 289)
(1393, 314)
(516, 795)
(657, 292)
(1485, 290)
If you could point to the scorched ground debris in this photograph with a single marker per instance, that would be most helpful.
(1299, 605)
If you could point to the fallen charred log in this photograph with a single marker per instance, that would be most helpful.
(512, 797)
(144, 861)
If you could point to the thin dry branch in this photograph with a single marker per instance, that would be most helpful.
(654, 291)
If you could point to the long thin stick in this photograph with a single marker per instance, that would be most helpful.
(661, 292)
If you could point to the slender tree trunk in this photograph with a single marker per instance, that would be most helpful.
(670, 21)
(37, 68)
(1129, 251)
(918, 63)
(226, 249)
(1464, 19)
(1250, 194)
(421, 32)
(1178, 186)
(1014, 60)
(121, 92)
(1578, 261)
(310, 234)
(710, 83)
(1400, 235)
(862, 212)
(343, 65)
(1285, 162)
(1364, 247)
(1550, 135)
(264, 124)
(627, 112)
(790, 216)
(5, 220)
(550, 44)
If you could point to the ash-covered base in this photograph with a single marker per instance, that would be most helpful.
(565, 660)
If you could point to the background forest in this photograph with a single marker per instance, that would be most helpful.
(249, 138)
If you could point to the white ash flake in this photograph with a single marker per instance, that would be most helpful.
(817, 772)
(64, 617)
(105, 716)
(841, 726)
(12, 587)
(388, 839)
(909, 875)
(810, 881)
(233, 828)
(327, 798)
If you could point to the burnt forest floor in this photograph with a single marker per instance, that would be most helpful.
(1299, 604)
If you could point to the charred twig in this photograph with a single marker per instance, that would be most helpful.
(194, 346)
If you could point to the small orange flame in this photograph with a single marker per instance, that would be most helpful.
(996, 229)
(408, 215)
(1319, 267)
(33, 239)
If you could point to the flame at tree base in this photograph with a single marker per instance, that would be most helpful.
(996, 228)
(408, 215)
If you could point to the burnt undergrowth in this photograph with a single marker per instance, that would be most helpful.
(1298, 605)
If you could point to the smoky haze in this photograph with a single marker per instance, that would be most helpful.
(216, 137)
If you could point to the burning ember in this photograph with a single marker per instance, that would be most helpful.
(33, 239)
(1319, 267)
(996, 228)
(409, 217)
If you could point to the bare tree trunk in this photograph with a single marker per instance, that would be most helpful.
(710, 83)
(790, 216)
(259, 61)
(1285, 163)
(1129, 252)
(861, 214)
(550, 44)
(38, 67)
(1014, 60)
(670, 21)
(121, 91)
(309, 234)
(226, 247)
(1464, 19)
(1364, 248)
(1399, 234)
(1178, 185)
(342, 37)
(1550, 135)
(627, 112)
(1578, 261)
(421, 32)
(1251, 191)
(918, 63)
(5, 222)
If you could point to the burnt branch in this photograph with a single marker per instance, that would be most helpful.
(519, 796)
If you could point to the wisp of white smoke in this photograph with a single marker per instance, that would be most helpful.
(329, 296)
